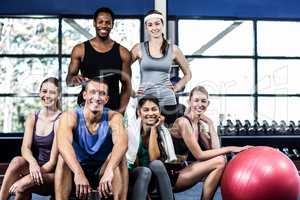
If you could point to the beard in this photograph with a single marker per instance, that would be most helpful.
(104, 37)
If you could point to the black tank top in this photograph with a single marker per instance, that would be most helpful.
(107, 64)
(181, 148)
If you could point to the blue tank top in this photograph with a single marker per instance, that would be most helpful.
(42, 145)
(92, 147)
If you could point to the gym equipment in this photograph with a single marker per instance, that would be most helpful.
(263, 129)
(286, 152)
(240, 130)
(257, 128)
(248, 127)
(291, 129)
(229, 129)
(297, 128)
(296, 153)
(266, 127)
(260, 173)
(283, 129)
(274, 127)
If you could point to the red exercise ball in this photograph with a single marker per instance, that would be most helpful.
(260, 173)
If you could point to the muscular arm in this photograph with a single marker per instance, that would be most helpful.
(184, 66)
(120, 140)
(125, 78)
(135, 52)
(73, 79)
(64, 141)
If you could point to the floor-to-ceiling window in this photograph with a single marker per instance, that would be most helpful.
(249, 67)
(33, 48)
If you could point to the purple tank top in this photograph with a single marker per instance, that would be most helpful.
(41, 145)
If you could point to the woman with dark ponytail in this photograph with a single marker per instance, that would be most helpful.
(156, 57)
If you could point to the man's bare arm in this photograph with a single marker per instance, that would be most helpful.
(125, 79)
(73, 79)
(120, 140)
(65, 138)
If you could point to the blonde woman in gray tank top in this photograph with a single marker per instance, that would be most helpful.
(156, 56)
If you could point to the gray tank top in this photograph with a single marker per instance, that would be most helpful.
(155, 73)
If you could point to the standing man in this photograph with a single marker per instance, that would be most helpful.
(92, 142)
(101, 56)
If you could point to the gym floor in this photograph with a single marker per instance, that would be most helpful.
(191, 194)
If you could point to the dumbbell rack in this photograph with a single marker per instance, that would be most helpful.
(287, 140)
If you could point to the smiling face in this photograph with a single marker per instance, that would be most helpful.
(198, 102)
(49, 95)
(95, 96)
(154, 27)
(103, 24)
(149, 113)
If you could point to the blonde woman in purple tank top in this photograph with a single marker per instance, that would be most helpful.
(33, 171)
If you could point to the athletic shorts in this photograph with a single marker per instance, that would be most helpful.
(92, 172)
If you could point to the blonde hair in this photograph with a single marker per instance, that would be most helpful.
(198, 88)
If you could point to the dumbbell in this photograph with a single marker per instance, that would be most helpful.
(239, 128)
(229, 129)
(292, 127)
(266, 127)
(248, 128)
(285, 150)
(282, 127)
(221, 129)
(274, 127)
(297, 129)
(257, 128)
(296, 153)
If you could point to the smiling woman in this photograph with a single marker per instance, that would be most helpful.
(151, 152)
(156, 57)
(34, 170)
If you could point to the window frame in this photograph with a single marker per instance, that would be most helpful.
(59, 55)
(256, 95)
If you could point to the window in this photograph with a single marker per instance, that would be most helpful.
(232, 107)
(278, 108)
(278, 38)
(29, 52)
(278, 76)
(215, 37)
(222, 75)
(249, 67)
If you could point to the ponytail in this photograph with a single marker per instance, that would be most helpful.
(164, 45)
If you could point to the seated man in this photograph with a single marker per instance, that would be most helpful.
(92, 142)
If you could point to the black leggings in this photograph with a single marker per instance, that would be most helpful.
(140, 179)
(161, 178)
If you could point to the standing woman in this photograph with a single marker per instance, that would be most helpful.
(201, 146)
(34, 170)
(156, 57)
